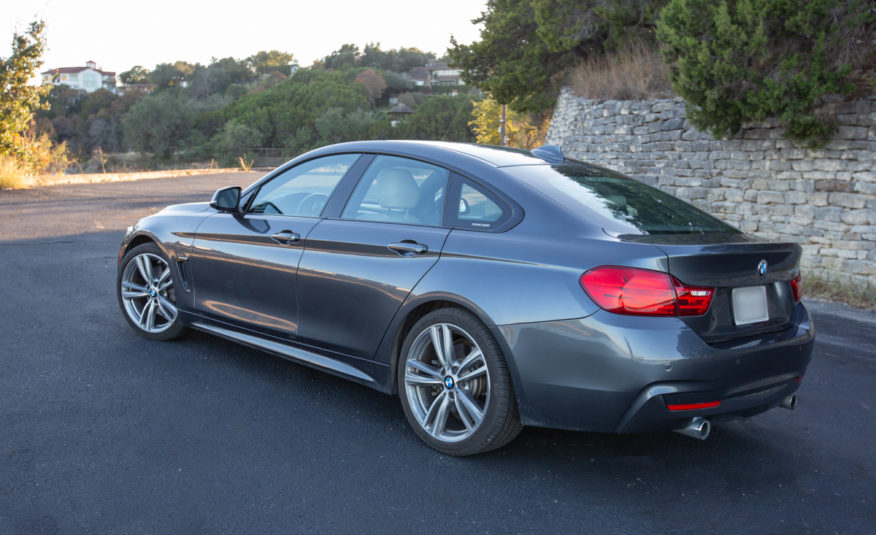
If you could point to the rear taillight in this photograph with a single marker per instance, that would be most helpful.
(692, 301)
(797, 287)
(625, 290)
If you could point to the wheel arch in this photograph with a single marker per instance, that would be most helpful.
(136, 239)
(413, 310)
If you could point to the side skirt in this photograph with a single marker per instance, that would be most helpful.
(295, 354)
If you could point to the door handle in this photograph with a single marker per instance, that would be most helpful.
(408, 247)
(286, 237)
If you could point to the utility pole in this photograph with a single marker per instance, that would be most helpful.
(502, 127)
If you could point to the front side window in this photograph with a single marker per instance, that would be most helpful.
(303, 190)
(399, 190)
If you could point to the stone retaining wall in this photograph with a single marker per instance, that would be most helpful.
(759, 181)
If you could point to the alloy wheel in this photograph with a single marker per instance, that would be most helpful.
(447, 382)
(147, 293)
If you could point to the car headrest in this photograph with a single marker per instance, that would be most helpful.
(398, 189)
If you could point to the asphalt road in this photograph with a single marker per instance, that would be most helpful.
(102, 431)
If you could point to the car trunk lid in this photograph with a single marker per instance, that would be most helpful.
(751, 278)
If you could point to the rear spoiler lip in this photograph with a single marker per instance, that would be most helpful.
(733, 264)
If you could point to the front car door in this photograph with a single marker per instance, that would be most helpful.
(359, 266)
(244, 265)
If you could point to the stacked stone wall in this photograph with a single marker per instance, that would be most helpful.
(759, 181)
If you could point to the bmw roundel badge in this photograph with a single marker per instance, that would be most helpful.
(762, 268)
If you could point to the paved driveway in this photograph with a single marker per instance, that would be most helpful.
(104, 432)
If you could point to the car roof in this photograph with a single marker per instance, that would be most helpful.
(492, 155)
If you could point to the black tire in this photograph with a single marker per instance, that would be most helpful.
(164, 328)
(500, 421)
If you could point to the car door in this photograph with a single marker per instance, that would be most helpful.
(360, 266)
(243, 266)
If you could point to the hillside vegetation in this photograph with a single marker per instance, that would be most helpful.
(731, 60)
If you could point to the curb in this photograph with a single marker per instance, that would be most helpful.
(97, 178)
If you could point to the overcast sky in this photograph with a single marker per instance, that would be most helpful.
(119, 34)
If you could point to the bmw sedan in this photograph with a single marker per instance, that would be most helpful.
(489, 288)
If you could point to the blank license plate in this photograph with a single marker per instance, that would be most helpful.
(750, 305)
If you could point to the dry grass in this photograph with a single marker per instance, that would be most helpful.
(635, 73)
(855, 295)
(244, 163)
(13, 175)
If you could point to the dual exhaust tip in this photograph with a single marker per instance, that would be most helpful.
(700, 428)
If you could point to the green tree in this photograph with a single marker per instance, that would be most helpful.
(335, 126)
(525, 45)
(398, 60)
(510, 61)
(266, 62)
(217, 77)
(18, 99)
(345, 57)
(136, 75)
(396, 83)
(234, 140)
(157, 124)
(746, 60)
(280, 111)
(439, 117)
(166, 75)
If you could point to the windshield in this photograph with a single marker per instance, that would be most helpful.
(625, 201)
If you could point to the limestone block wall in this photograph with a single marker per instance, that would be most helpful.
(758, 181)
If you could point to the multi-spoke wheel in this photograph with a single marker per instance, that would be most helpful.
(454, 384)
(146, 293)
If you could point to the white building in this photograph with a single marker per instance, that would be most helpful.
(88, 78)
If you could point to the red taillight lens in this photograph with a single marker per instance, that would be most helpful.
(797, 287)
(624, 290)
(692, 301)
(630, 291)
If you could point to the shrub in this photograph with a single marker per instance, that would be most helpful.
(234, 140)
(746, 60)
(12, 173)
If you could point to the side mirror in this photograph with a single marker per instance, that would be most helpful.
(226, 199)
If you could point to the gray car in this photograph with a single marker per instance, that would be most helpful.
(490, 288)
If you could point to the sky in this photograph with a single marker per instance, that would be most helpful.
(118, 35)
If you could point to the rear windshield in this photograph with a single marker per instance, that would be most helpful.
(632, 206)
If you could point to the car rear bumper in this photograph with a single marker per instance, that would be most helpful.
(614, 373)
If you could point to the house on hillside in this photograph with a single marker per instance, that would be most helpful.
(88, 78)
(441, 74)
(418, 75)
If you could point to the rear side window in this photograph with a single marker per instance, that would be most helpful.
(477, 208)
(627, 202)
(399, 190)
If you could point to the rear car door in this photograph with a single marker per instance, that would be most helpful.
(359, 266)
(243, 266)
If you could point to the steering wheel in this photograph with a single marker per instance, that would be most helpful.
(313, 204)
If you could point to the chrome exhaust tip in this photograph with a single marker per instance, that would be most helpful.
(789, 402)
(698, 428)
